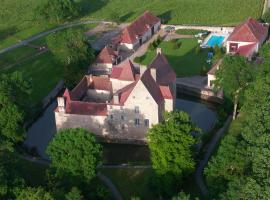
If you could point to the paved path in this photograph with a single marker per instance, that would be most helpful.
(210, 150)
(110, 185)
(45, 33)
(266, 6)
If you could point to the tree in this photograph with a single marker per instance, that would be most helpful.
(72, 50)
(74, 194)
(171, 145)
(58, 10)
(14, 91)
(266, 16)
(75, 153)
(33, 194)
(181, 196)
(233, 77)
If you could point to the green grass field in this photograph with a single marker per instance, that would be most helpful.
(45, 73)
(17, 17)
(131, 182)
(183, 60)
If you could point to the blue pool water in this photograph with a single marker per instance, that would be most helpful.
(215, 40)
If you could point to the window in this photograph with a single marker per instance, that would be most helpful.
(146, 122)
(121, 107)
(110, 107)
(122, 117)
(111, 117)
(123, 126)
(137, 109)
(137, 122)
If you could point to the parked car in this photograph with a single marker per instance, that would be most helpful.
(199, 35)
(169, 29)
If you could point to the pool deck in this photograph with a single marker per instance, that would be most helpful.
(205, 41)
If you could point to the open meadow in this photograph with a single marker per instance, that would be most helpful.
(18, 17)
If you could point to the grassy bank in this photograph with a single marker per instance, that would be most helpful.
(17, 17)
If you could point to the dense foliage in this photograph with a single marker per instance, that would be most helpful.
(72, 50)
(233, 77)
(57, 10)
(14, 90)
(171, 145)
(240, 169)
(75, 153)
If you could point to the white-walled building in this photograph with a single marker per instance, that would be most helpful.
(247, 38)
(122, 106)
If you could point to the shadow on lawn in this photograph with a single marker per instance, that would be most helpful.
(127, 16)
(92, 6)
(166, 16)
(4, 34)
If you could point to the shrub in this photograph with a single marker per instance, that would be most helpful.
(198, 50)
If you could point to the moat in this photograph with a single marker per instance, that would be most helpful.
(42, 131)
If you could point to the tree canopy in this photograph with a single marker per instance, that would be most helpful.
(58, 10)
(233, 77)
(241, 167)
(14, 90)
(30, 193)
(75, 153)
(72, 50)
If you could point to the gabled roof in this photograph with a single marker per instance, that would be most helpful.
(138, 27)
(246, 50)
(165, 73)
(215, 67)
(166, 92)
(124, 71)
(100, 83)
(249, 31)
(152, 86)
(125, 92)
(106, 56)
(86, 108)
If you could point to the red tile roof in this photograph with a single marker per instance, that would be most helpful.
(125, 92)
(152, 86)
(139, 27)
(166, 92)
(246, 50)
(86, 108)
(100, 83)
(124, 71)
(78, 92)
(165, 73)
(106, 56)
(249, 31)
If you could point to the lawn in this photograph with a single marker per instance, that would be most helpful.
(184, 60)
(131, 182)
(188, 31)
(44, 71)
(17, 17)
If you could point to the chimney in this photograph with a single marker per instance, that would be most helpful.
(159, 51)
(61, 104)
(153, 72)
(116, 98)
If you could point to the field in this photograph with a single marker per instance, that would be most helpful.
(131, 182)
(17, 17)
(184, 60)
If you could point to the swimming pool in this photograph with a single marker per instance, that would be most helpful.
(215, 40)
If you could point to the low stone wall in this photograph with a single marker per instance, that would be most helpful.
(205, 94)
(223, 29)
(53, 94)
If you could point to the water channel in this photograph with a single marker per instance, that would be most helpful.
(42, 131)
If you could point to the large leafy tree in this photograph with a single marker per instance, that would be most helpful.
(14, 91)
(72, 50)
(58, 10)
(171, 145)
(33, 194)
(75, 153)
(233, 77)
(74, 194)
